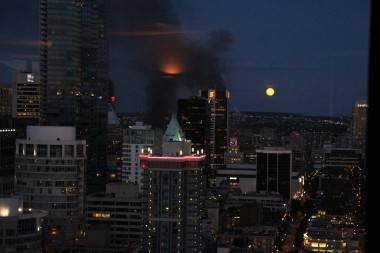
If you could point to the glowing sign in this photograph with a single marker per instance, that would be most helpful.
(233, 142)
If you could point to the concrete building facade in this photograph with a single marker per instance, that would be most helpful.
(172, 191)
(50, 172)
(137, 138)
(120, 210)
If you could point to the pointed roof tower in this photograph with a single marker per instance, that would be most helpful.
(173, 131)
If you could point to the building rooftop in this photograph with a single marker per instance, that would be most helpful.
(279, 150)
(51, 133)
(139, 125)
(118, 190)
(173, 131)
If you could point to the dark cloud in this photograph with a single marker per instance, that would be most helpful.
(162, 52)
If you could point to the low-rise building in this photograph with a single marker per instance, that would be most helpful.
(118, 210)
(270, 201)
(21, 230)
(331, 233)
(238, 175)
(252, 239)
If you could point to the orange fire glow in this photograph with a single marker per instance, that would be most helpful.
(172, 68)
(172, 64)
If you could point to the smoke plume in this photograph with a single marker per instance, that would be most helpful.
(164, 53)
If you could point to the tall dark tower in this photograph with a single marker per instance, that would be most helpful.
(274, 171)
(74, 75)
(217, 127)
(192, 116)
(93, 103)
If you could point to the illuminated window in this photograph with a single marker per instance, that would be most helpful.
(101, 215)
(314, 245)
(4, 212)
(211, 94)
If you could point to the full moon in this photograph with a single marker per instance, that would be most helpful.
(270, 92)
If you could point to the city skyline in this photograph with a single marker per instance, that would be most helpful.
(324, 54)
(241, 126)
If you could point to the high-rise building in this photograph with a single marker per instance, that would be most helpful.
(274, 171)
(27, 96)
(192, 116)
(26, 101)
(60, 32)
(50, 170)
(359, 124)
(5, 101)
(217, 127)
(74, 75)
(21, 229)
(93, 99)
(136, 138)
(172, 190)
(119, 208)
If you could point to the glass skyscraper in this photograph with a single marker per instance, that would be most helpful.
(74, 75)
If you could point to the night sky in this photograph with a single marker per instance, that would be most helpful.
(315, 53)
